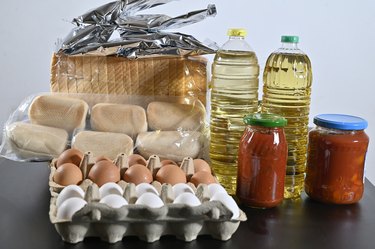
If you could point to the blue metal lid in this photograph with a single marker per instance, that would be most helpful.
(340, 121)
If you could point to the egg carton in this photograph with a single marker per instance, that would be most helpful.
(153, 164)
(149, 224)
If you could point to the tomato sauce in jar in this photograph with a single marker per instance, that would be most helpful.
(262, 157)
(336, 159)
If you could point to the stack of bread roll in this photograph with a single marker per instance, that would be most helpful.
(169, 130)
(176, 131)
(52, 119)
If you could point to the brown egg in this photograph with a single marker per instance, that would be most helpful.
(166, 162)
(171, 174)
(67, 174)
(102, 158)
(104, 171)
(137, 174)
(202, 177)
(70, 156)
(136, 159)
(201, 165)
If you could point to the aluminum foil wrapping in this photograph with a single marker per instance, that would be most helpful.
(137, 35)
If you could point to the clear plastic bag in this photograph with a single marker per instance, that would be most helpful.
(44, 125)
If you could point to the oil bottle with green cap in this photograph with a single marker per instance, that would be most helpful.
(234, 94)
(287, 79)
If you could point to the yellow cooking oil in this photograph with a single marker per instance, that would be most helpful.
(287, 79)
(234, 94)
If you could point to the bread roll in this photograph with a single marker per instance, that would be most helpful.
(173, 145)
(57, 111)
(106, 144)
(31, 141)
(128, 119)
(173, 116)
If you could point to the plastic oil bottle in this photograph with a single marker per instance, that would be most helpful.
(287, 82)
(234, 94)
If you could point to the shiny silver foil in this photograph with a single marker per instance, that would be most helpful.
(137, 35)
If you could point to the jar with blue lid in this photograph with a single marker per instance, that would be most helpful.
(336, 159)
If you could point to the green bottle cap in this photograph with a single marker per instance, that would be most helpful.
(290, 39)
(265, 119)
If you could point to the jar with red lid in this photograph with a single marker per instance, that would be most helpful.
(336, 159)
(262, 160)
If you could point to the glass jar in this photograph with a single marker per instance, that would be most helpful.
(262, 159)
(336, 158)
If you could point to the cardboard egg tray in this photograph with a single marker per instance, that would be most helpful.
(148, 224)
